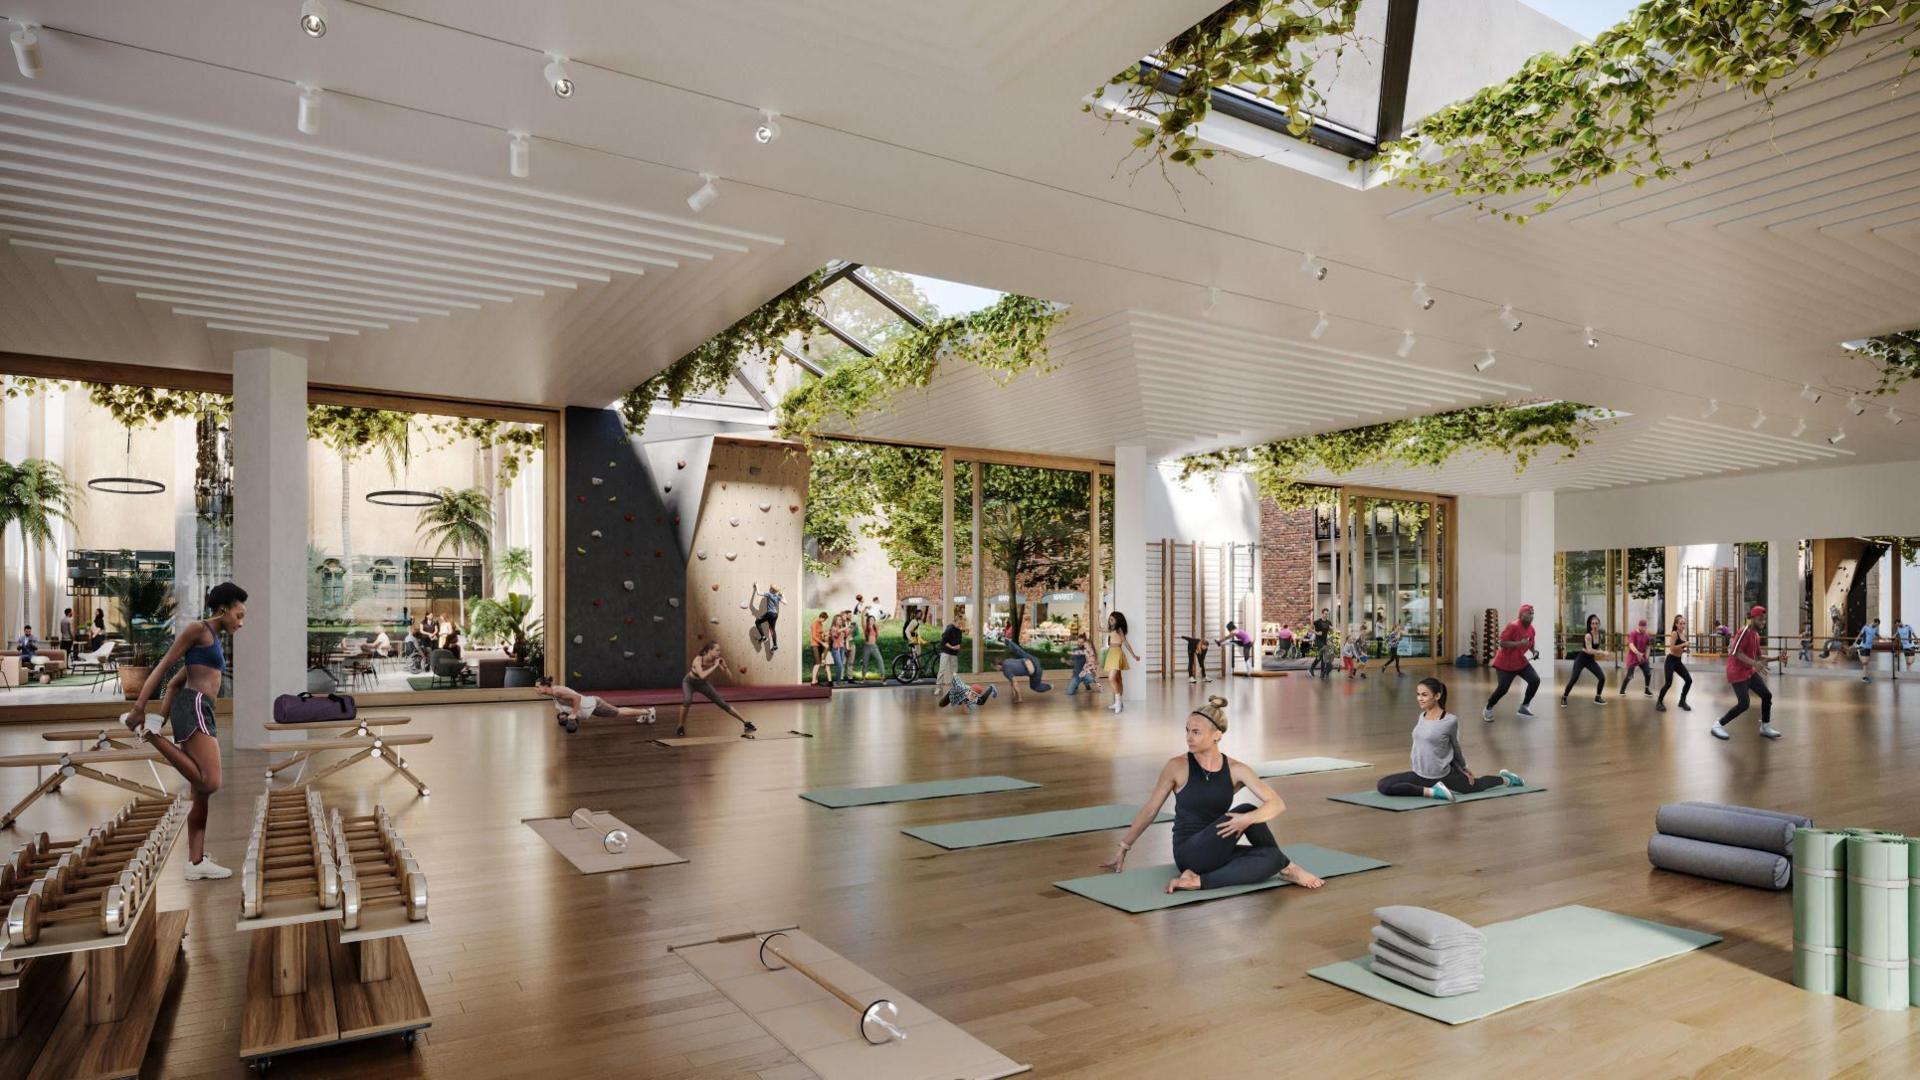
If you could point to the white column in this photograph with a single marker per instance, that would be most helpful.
(1536, 575)
(269, 535)
(1129, 583)
(1783, 588)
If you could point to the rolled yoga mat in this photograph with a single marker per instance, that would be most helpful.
(1721, 862)
(1878, 921)
(1732, 826)
(1799, 820)
(1820, 911)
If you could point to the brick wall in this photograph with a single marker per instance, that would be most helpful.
(1286, 565)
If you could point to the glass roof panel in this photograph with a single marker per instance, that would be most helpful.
(848, 307)
(933, 297)
(1454, 58)
(1585, 17)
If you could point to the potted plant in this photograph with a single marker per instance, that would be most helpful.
(510, 621)
(146, 623)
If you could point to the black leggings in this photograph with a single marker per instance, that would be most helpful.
(694, 684)
(1676, 666)
(1644, 667)
(1196, 658)
(766, 620)
(1584, 661)
(1506, 678)
(1758, 687)
(1393, 661)
(1411, 783)
(1221, 860)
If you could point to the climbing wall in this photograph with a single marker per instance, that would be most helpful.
(747, 535)
(625, 575)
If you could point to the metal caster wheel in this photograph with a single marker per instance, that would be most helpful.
(409, 1038)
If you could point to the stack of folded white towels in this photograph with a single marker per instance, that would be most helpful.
(1430, 951)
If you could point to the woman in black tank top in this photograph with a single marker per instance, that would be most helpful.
(1206, 825)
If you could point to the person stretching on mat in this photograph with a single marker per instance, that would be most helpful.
(1639, 658)
(1586, 658)
(1676, 665)
(1439, 765)
(1516, 641)
(707, 661)
(1744, 665)
(571, 704)
(1114, 660)
(188, 705)
(1206, 824)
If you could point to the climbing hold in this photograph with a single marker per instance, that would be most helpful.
(658, 554)
(673, 601)
(596, 534)
(613, 498)
(627, 585)
(732, 556)
(597, 481)
(626, 654)
(793, 508)
(583, 498)
(579, 551)
(764, 507)
(669, 487)
(716, 586)
(761, 540)
(715, 622)
(735, 522)
(579, 640)
(679, 464)
(659, 618)
(676, 519)
(613, 637)
(596, 602)
(702, 553)
(629, 620)
(629, 517)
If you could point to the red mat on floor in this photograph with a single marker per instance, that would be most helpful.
(665, 696)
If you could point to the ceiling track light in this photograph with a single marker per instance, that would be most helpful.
(1593, 342)
(313, 18)
(1799, 427)
(557, 76)
(1319, 327)
(1713, 406)
(1508, 319)
(1894, 418)
(704, 196)
(1313, 267)
(1406, 345)
(768, 129)
(1422, 297)
(309, 118)
(1758, 420)
(1487, 362)
(1839, 436)
(26, 49)
(1808, 393)
(519, 154)
(1854, 406)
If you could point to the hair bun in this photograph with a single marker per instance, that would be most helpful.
(1216, 701)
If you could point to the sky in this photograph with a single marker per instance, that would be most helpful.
(1589, 17)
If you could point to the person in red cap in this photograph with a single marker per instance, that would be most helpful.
(1639, 658)
(1510, 660)
(1744, 664)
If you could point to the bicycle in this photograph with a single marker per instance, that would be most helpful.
(911, 667)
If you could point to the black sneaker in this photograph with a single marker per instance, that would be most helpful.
(1598, 700)
(1684, 707)
(1659, 706)
(679, 733)
(748, 725)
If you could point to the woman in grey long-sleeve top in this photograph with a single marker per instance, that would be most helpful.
(1439, 765)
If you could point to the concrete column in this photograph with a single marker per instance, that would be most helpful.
(1783, 588)
(269, 535)
(1535, 566)
(1129, 583)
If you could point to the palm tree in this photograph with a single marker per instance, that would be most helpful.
(515, 565)
(461, 521)
(36, 496)
(353, 432)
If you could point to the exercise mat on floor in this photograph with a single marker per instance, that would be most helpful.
(1719, 862)
(1300, 766)
(1730, 825)
(1878, 917)
(1417, 802)
(1820, 911)
(1145, 888)
(932, 789)
(587, 850)
(1008, 830)
(1534, 957)
(716, 740)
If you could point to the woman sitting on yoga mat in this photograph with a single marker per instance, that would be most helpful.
(1439, 765)
(1206, 824)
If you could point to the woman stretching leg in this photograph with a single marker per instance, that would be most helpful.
(704, 665)
(1439, 765)
(1206, 825)
(1676, 665)
(1583, 660)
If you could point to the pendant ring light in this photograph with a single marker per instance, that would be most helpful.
(404, 497)
(127, 485)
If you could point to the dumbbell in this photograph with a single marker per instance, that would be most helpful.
(614, 840)
(27, 916)
(409, 892)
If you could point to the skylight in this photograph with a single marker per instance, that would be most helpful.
(1585, 17)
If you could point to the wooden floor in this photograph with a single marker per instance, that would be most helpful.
(535, 969)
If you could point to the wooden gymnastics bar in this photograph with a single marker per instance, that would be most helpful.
(87, 958)
(360, 736)
(68, 764)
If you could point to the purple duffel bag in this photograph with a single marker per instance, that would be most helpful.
(309, 709)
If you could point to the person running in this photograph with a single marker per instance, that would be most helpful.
(870, 651)
(1744, 665)
(1353, 655)
(1393, 651)
(1863, 647)
(1806, 644)
(1439, 765)
(1676, 665)
(1639, 658)
(1322, 645)
(1114, 661)
(571, 705)
(1206, 824)
(1510, 661)
(951, 639)
(1197, 658)
(187, 705)
(1586, 658)
(817, 637)
(707, 661)
(767, 624)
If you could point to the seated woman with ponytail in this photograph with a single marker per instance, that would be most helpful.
(1439, 765)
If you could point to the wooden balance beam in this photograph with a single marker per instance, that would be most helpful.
(67, 764)
(363, 745)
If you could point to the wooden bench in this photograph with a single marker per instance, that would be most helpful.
(71, 763)
(362, 737)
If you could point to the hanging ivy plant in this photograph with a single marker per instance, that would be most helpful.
(132, 406)
(1249, 45)
(1564, 121)
(1006, 339)
(516, 442)
(709, 367)
(1898, 356)
(1279, 468)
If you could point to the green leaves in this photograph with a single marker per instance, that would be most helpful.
(1898, 355)
(36, 496)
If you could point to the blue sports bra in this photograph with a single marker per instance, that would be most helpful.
(212, 656)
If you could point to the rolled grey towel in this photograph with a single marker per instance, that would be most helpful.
(1434, 929)
(1729, 825)
(1456, 967)
(1400, 942)
(1721, 862)
(1450, 987)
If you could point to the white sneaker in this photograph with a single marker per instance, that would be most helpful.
(1487, 714)
(1719, 732)
(207, 869)
(1770, 732)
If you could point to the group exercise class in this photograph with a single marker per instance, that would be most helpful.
(949, 541)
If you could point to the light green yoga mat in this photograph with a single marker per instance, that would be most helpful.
(1301, 765)
(1878, 920)
(1820, 911)
(1530, 958)
(1008, 830)
(1415, 802)
(1145, 888)
(934, 789)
